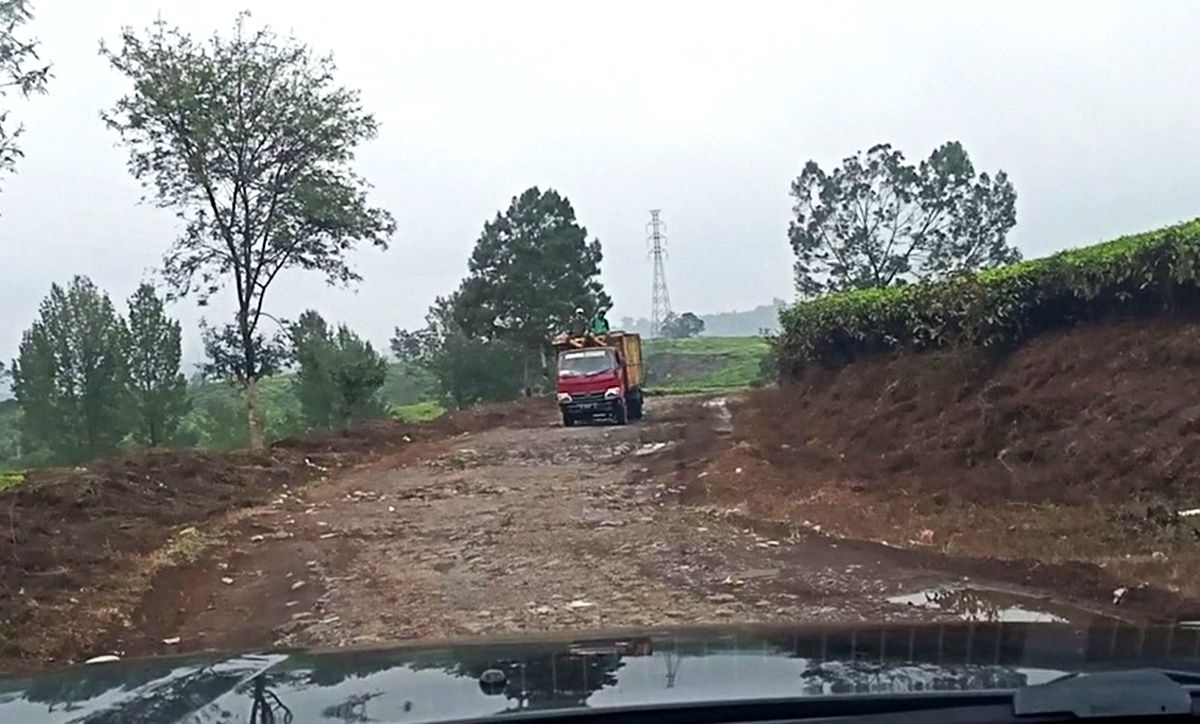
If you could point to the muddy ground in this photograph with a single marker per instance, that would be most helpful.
(502, 521)
(79, 547)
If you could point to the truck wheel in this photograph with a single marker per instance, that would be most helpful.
(635, 406)
(621, 415)
(568, 421)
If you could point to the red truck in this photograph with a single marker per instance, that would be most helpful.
(599, 376)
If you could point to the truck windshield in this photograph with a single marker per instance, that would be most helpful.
(586, 362)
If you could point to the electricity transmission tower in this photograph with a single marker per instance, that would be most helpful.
(660, 308)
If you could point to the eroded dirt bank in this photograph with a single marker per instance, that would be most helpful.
(1079, 447)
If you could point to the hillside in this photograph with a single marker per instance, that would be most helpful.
(702, 364)
(746, 323)
(1043, 411)
(1078, 446)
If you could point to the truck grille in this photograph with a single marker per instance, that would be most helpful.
(587, 397)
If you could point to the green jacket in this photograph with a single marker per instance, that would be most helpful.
(599, 325)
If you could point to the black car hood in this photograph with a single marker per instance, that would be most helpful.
(481, 678)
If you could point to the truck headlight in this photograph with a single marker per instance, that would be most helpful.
(563, 398)
(612, 393)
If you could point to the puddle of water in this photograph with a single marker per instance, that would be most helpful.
(975, 605)
(650, 448)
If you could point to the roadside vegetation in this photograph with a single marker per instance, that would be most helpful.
(90, 382)
(531, 267)
(704, 364)
(941, 393)
(418, 411)
(11, 478)
(997, 308)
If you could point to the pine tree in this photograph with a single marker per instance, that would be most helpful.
(158, 389)
(70, 376)
(339, 374)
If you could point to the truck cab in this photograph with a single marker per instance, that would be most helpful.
(599, 377)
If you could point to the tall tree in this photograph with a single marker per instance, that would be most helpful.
(357, 377)
(469, 369)
(312, 350)
(339, 374)
(251, 141)
(70, 376)
(21, 71)
(531, 267)
(680, 326)
(156, 384)
(877, 220)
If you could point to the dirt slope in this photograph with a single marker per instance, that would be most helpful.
(1080, 445)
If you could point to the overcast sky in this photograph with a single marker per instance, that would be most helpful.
(704, 111)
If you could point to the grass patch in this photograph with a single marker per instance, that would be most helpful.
(11, 479)
(685, 390)
(418, 411)
(190, 545)
(736, 346)
(704, 364)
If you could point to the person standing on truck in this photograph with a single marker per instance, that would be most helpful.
(599, 324)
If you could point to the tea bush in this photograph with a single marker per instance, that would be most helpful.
(997, 308)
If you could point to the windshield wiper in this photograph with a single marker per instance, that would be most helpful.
(1134, 693)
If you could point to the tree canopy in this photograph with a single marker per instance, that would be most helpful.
(250, 140)
(877, 220)
(157, 387)
(530, 269)
(70, 376)
(680, 326)
(469, 369)
(339, 375)
(21, 71)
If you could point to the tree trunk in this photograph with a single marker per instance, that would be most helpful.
(254, 415)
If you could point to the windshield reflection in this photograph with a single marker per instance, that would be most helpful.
(444, 683)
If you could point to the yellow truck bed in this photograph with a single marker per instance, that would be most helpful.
(630, 345)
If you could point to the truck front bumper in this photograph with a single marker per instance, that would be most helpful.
(586, 406)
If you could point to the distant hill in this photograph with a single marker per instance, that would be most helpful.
(740, 324)
(749, 323)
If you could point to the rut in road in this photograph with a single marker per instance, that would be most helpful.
(513, 529)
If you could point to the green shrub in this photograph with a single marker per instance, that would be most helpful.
(11, 479)
(417, 411)
(997, 308)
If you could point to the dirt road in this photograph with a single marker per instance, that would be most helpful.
(534, 527)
